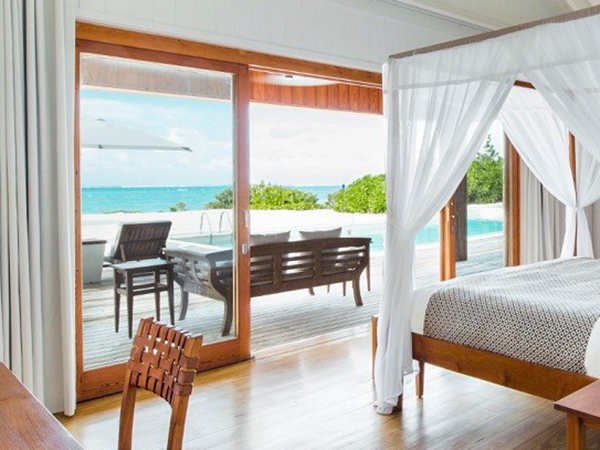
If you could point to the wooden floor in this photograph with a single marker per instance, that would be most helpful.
(276, 319)
(320, 397)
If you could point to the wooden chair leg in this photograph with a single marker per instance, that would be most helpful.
(177, 425)
(185, 300)
(356, 289)
(328, 288)
(311, 291)
(126, 418)
(157, 294)
(420, 380)
(227, 315)
(129, 288)
(117, 285)
(576, 439)
(344, 288)
(369, 277)
(171, 295)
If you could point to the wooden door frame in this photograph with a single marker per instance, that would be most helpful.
(132, 42)
(255, 60)
(97, 382)
(512, 221)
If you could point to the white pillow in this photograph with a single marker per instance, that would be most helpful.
(258, 239)
(321, 234)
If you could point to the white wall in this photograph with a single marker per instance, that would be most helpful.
(353, 33)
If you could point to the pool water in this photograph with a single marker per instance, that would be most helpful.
(429, 234)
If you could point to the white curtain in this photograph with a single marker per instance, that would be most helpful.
(438, 109)
(542, 220)
(563, 62)
(542, 141)
(588, 192)
(37, 330)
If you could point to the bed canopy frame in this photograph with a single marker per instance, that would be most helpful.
(439, 103)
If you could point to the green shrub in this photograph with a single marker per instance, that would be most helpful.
(485, 176)
(223, 200)
(269, 196)
(179, 206)
(365, 195)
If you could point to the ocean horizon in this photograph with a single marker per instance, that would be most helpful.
(110, 199)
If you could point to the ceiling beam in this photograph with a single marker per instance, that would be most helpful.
(479, 25)
(578, 4)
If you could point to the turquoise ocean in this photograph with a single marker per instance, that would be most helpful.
(99, 200)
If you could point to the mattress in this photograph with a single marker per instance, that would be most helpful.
(422, 297)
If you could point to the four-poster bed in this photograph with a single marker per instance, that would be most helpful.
(439, 103)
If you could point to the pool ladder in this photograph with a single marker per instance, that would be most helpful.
(223, 217)
(203, 216)
(225, 214)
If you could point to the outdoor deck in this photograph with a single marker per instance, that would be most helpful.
(276, 319)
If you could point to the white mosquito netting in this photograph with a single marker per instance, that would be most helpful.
(439, 105)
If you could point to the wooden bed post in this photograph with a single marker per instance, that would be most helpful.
(573, 164)
(420, 380)
(512, 200)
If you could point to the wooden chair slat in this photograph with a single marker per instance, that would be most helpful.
(163, 360)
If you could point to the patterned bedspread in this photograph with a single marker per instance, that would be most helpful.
(541, 313)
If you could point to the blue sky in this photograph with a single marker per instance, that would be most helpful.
(290, 146)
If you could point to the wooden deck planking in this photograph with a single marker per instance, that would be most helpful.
(276, 319)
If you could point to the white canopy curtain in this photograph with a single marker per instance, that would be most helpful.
(542, 220)
(435, 125)
(37, 330)
(541, 139)
(437, 118)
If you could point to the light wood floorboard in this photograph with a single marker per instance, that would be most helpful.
(320, 397)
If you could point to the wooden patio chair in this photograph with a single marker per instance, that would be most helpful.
(163, 360)
(139, 240)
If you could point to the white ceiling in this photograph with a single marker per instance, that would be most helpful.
(494, 14)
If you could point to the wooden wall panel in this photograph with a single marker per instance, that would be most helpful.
(351, 33)
(336, 96)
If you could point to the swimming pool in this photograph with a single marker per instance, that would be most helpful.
(429, 234)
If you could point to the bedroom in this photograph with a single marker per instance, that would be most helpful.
(439, 104)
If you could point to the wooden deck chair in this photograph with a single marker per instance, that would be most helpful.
(139, 240)
(163, 360)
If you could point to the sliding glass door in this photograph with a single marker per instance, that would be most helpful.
(162, 198)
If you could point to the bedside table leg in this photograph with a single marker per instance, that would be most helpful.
(575, 433)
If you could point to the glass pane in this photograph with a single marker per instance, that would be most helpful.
(480, 210)
(427, 253)
(157, 171)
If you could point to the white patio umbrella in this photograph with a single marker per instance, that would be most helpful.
(100, 133)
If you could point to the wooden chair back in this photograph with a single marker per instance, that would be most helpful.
(140, 240)
(164, 361)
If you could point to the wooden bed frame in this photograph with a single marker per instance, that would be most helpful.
(535, 379)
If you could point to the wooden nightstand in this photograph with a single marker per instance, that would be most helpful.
(583, 410)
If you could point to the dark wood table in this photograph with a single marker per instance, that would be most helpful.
(583, 410)
(124, 274)
(24, 422)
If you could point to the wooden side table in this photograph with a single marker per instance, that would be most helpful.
(124, 274)
(583, 410)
